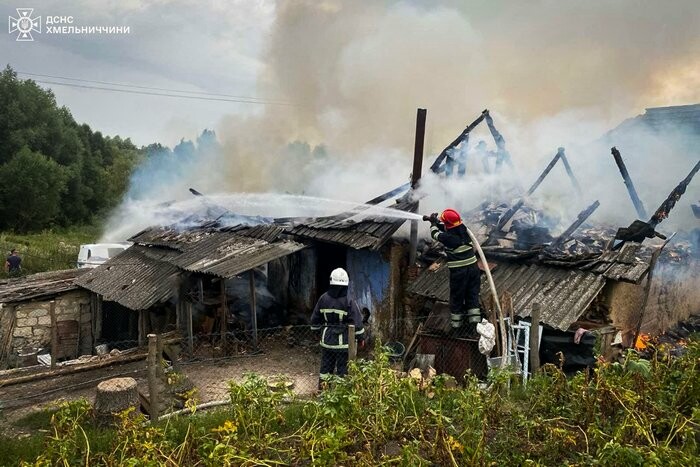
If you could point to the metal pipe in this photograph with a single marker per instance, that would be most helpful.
(638, 205)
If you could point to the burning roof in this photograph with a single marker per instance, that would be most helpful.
(366, 233)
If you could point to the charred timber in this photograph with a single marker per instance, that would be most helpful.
(569, 172)
(502, 154)
(583, 215)
(511, 212)
(639, 230)
(638, 205)
(462, 137)
(671, 200)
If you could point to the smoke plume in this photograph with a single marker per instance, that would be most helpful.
(553, 74)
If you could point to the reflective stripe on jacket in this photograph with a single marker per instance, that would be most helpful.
(458, 245)
(333, 315)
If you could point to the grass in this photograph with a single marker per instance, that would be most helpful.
(50, 250)
(636, 412)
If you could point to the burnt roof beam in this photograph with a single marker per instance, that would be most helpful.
(638, 205)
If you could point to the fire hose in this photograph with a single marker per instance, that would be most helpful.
(497, 303)
(494, 293)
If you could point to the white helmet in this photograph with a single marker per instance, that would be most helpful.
(339, 277)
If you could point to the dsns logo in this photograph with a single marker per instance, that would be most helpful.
(24, 24)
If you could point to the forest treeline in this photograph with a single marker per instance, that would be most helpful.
(55, 172)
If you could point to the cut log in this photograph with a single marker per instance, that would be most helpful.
(114, 396)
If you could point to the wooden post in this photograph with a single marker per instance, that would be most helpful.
(160, 371)
(142, 328)
(223, 316)
(190, 333)
(535, 338)
(98, 318)
(253, 310)
(54, 334)
(415, 178)
(352, 343)
(151, 369)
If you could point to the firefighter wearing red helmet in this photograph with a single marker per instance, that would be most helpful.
(465, 280)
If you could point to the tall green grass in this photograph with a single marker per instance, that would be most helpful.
(50, 250)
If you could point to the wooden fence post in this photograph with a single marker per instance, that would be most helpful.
(152, 370)
(352, 343)
(54, 334)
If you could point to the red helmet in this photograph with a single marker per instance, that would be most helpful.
(450, 218)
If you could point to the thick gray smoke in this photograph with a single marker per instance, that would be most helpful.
(553, 73)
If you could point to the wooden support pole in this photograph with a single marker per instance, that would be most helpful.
(253, 310)
(190, 333)
(151, 369)
(160, 371)
(415, 177)
(352, 343)
(142, 328)
(54, 334)
(535, 338)
(223, 316)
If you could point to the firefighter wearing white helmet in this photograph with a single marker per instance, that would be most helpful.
(332, 315)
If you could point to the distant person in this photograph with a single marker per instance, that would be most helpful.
(333, 313)
(13, 264)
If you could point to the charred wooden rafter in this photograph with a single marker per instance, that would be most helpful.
(638, 205)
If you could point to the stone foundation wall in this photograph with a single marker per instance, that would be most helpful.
(32, 327)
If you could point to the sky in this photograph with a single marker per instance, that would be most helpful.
(338, 59)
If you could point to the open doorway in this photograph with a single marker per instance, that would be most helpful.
(328, 257)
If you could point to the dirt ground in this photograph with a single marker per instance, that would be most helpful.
(210, 375)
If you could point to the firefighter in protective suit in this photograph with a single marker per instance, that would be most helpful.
(332, 315)
(465, 278)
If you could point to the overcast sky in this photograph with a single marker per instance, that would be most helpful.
(206, 46)
(361, 66)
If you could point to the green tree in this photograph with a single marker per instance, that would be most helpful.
(92, 171)
(31, 192)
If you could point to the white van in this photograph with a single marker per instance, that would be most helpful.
(94, 254)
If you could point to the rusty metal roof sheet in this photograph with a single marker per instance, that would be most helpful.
(563, 294)
(364, 233)
(41, 285)
(138, 278)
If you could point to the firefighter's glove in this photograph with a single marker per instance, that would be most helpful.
(433, 218)
(361, 344)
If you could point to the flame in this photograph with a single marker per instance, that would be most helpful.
(642, 341)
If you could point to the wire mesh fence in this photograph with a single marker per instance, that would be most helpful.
(175, 372)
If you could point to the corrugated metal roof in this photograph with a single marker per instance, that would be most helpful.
(563, 294)
(365, 233)
(138, 278)
(178, 239)
(227, 255)
(41, 285)
(629, 264)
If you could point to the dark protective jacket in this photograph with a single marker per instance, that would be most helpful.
(333, 313)
(458, 245)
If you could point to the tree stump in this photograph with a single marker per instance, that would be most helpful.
(114, 396)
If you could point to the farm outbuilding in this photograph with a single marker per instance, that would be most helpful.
(38, 309)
